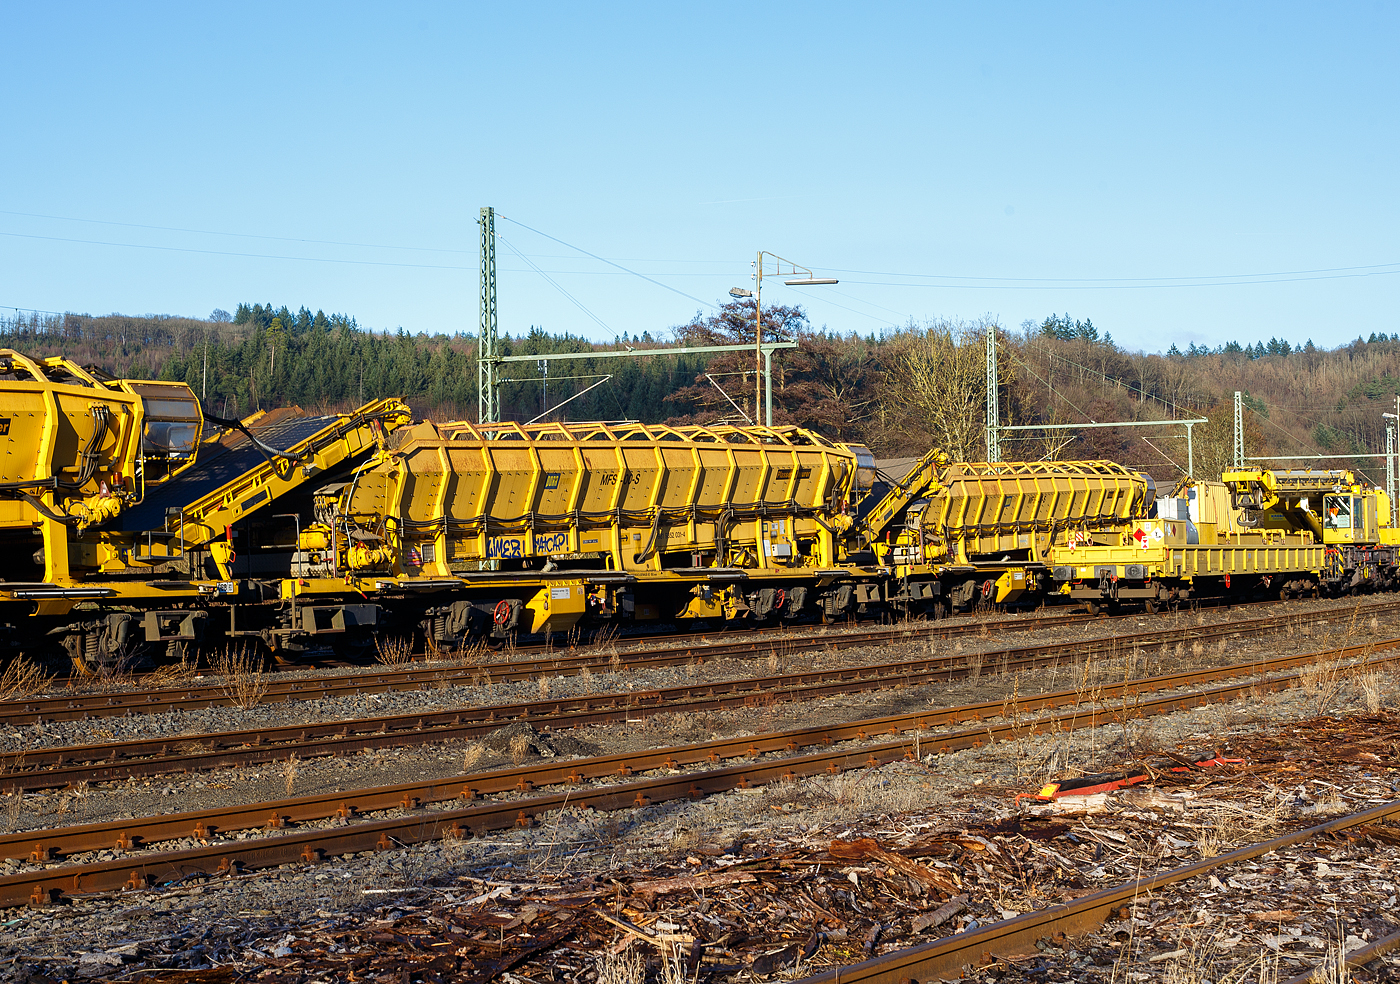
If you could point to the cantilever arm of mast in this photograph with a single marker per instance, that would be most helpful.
(692, 350)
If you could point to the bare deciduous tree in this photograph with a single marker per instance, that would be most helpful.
(935, 389)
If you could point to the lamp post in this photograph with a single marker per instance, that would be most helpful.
(1392, 474)
(762, 374)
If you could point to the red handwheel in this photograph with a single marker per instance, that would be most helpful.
(781, 599)
(987, 588)
(502, 612)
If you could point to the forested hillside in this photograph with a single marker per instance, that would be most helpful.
(900, 392)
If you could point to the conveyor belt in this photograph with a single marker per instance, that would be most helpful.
(218, 466)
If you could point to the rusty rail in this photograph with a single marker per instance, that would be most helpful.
(157, 868)
(68, 708)
(74, 707)
(1354, 958)
(948, 956)
(47, 768)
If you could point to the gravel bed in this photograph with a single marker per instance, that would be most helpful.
(192, 926)
(148, 796)
(180, 722)
(187, 926)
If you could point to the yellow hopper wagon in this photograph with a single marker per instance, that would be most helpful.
(965, 533)
(494, 529)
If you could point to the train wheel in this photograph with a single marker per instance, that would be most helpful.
(1093, 607)
(1151, 606)
(84, 668)
(105, 664)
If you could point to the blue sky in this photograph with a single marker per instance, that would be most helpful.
(1111, 161)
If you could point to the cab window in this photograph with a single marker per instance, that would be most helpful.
(1336, 512)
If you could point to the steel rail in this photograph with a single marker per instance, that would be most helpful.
(148, 869)
(1354, 958)
(48, 768)
(35, 710)
(70, 708)
(947, 957)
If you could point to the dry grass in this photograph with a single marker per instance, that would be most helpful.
(13, 806)
(1333, 968)
(865, 793)
(519, 748)
(1225, 828)
(1329, 804)
(21, 679)
(626, 967)
(74, 798)
(544, 687)
(1201, 964)
(1372, 691)
(1321, 681)
(605, 644)
(471, 654)
(289, 772)
(1211, 843)
(673, 958)
(471, 755)
(178, 674)
(974, 667)
(394, 652)
(245, 681)
(683, 839)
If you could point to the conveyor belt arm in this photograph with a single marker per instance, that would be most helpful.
(343, 437)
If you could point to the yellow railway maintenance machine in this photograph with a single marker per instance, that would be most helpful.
(1197, 543)
(960, 534)
(530, 528)
(1354, 522)
(125, 531)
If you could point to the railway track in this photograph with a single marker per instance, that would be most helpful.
(946, 958)
(55, 767)
(774, 757)
(77, 707)
(80, 707)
